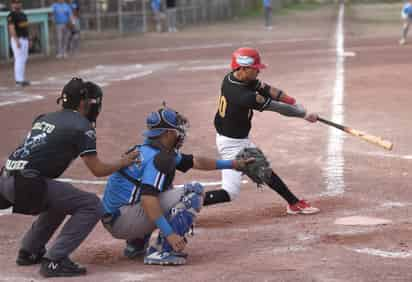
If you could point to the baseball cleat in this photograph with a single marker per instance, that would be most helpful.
(61, 268)
(136, 248)
(25, 258)
(165, 258)
(402, 41)
(301, 207)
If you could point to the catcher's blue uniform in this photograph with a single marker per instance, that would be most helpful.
(120, 191)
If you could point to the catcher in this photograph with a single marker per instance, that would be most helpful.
(138, 199)
(241, 94)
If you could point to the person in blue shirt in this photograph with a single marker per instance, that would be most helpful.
(63, 18)
(159, 16)
(140, 198)
(406, 15)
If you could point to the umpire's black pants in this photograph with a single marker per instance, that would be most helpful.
(62, 199)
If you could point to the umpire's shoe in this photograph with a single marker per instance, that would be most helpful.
(165, 258)
(25, 258)
(61, 268)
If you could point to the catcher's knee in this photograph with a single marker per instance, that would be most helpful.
(183, 214)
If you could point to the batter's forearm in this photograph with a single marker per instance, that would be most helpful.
(286, 109)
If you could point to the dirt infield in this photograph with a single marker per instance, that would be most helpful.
(365, 84)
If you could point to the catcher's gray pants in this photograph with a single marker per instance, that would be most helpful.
(133, 222)
(62, 199)
(228, 148)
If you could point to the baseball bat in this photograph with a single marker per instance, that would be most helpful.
(363, 135)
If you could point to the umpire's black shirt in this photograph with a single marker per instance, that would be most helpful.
(55, 140)
(19, 20)
(235, 109)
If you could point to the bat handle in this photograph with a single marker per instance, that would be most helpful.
(325, 121)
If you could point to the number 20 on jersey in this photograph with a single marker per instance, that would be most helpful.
(222, 106)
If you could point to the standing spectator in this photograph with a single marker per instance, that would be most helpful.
(63, 17)
(171, 15)
(74, 32)
(159, 16)
(267, 6)
(406, 14)
(19, 37)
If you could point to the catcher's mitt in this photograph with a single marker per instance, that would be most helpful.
(260, 169)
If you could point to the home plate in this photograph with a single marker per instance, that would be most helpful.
(361, 221)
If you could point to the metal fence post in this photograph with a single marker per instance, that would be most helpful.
(98, 16)
(120, 15)
(144, 28)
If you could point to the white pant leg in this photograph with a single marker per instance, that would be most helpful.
(228, 148)
(20, 58)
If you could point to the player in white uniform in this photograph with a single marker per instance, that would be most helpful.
(241, 94)
(19, 37)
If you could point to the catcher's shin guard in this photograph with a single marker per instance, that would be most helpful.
(182, 216)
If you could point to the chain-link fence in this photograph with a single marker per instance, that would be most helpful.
(136, 15)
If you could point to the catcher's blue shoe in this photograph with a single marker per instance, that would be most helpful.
(154, 256)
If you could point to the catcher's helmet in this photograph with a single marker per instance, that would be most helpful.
(246, 57)
(166, 119)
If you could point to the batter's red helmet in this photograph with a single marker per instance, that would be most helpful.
(246, 57)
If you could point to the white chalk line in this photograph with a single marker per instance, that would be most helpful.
(335, 161)
(198, 47)
(386, 155)
(17, 97)
(103, 75)
(104, 182)
(382, 253)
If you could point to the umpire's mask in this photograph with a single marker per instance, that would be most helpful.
(94, 101)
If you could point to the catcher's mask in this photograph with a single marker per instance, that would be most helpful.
(166, 119)
(76, 90)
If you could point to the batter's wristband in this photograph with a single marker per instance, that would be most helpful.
(224, 164)
(164, 226)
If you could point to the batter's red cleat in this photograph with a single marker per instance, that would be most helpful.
(301, 207)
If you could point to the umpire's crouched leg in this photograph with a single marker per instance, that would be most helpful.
(85, 210)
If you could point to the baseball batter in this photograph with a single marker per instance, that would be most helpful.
(241, 94)
(140, 198)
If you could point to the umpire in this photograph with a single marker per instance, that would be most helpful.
(27, 180)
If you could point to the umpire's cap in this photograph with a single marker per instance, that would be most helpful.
(73, 92)
(164, 119)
